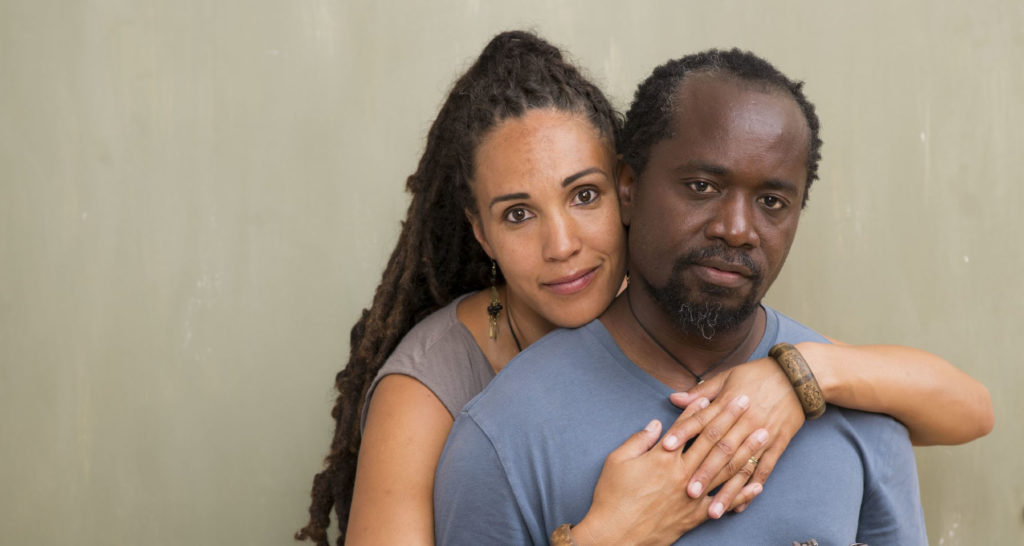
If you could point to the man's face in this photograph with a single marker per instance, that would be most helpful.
(715, 211)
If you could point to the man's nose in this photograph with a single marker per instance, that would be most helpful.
(733, 222)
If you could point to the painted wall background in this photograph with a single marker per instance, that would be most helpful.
(196, 199)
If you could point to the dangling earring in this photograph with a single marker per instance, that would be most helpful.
(495, 307)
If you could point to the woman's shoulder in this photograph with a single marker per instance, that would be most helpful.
(437, 335)
(440, 353)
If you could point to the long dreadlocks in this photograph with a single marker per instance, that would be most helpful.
(437, 258)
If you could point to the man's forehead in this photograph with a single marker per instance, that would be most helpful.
(718, 106)
(718, 89)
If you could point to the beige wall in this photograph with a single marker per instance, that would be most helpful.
(197, 197)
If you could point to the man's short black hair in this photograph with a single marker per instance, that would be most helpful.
(649, 119)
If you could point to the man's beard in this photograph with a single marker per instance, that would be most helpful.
(699, 309)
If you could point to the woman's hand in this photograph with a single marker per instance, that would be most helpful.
(773, 407)
(640, 498)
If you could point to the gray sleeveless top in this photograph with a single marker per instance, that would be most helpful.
(440, 353)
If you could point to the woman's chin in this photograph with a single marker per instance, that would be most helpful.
(576, 320)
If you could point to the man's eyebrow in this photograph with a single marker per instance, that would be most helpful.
(703, 166)
(779, 184)
(574, 177)
(508, 197)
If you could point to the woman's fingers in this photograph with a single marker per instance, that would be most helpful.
(708, 389)
(737, 475)
(688, 424)
(746, 496)
(768, 460)
(638, 443)
(753, 447)
(729, 491)
(716, 444)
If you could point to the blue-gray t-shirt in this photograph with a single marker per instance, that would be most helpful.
(524, 455)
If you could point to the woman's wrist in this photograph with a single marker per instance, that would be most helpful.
(584, 532)
(821, 364)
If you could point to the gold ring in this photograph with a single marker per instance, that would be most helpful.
(753, 460)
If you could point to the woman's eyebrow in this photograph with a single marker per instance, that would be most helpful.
(508, 197)
(568, 180)
(573, 177)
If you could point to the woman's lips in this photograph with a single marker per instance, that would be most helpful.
(572, 284)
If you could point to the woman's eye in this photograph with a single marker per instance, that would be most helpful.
(585, 196)
(517, 215)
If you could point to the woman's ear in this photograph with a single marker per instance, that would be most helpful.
(478, 231)
(627, 183)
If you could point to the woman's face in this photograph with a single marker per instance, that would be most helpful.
(548, 213)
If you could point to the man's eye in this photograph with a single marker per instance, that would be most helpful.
(517, 215)
(585, 196)
(772, 202)
(701, 186)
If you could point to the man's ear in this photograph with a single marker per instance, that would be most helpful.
(478, 231)
(627, 186)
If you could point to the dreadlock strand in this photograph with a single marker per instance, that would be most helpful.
(436, 257)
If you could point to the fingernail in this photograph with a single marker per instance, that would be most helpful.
(684, 395)
(670, 441)
(695, 488)
(743, 401)
(761, 436)
(756, 489)
(652, 426)
(716, 510)
(704, 402)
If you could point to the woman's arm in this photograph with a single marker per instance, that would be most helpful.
(938, 403)
(406, 428)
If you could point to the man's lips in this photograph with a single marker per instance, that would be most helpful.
(573, 283)
(727, 267)
(721, 273)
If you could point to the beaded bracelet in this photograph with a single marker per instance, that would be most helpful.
(563, 536)
(800, 376)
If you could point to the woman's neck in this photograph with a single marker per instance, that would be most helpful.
(514, 318)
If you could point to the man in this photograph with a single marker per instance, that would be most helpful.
(720, 149)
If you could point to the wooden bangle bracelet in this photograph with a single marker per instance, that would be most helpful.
(800, 376)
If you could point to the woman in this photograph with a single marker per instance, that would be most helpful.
(519, 168)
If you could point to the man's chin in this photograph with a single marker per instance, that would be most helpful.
(704, 308)
(713, 316)
(727, 296)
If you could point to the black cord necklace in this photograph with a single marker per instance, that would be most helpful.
(508, 319)
(629, 302)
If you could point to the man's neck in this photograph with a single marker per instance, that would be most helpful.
(677, 357)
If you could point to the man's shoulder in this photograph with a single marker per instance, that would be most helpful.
(544, 367)
(791, 329)
(874, 432)
(781, 328)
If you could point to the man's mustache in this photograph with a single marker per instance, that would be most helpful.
(735, 257)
